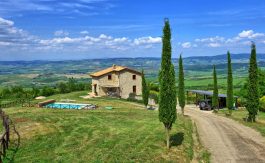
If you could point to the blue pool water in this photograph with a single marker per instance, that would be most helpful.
(65, 105)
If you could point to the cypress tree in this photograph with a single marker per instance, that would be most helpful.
(145, 90)
(167, 97)
(215, 102)
(253, 92)
(181, 86)
(230, 96)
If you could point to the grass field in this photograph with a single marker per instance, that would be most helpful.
(239, 116)
(128, 133)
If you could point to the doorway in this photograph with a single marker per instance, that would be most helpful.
(95, 89)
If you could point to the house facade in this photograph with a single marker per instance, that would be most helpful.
(117, 81)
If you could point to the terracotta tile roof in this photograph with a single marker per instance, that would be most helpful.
(114, 68)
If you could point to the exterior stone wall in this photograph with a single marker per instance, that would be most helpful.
(127, 83)
(123, 79)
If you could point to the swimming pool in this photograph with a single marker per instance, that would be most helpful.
(66, 105)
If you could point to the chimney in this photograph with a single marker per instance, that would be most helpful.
(114, 66)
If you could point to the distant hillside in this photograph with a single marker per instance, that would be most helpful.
(216, 58)
(242, 56)
(39, 73)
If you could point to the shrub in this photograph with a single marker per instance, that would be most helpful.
(47, 91)
(62, 87)
(5, 93)
(154, 86)
(88, 86)
(154, 95)
(262, 104)
(241, 102)
(132, 98)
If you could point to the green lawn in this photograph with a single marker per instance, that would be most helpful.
(242, 113)
(128, 133)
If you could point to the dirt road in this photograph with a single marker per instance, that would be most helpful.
(227, 140)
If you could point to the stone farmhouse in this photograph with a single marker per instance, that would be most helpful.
(117, 81)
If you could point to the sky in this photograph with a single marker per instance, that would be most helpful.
(84, 29)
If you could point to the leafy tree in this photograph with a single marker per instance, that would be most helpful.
(47, 91)
(154, 95)
(145, 90)
(230, 94)
(80, 86)
(215, 102)
(62, 87)
(5, 93)
(167, 97)
(71, 84)
(252, 104)
(27, 95)
(181, 86)
(88, 86)
(153, 86)
(261, 83)
(17, 91)
(35, 91)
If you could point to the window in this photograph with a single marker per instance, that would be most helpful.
(109, 77)
(134, 77)
(134, 89)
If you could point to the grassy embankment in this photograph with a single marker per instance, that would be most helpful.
(126, 133)
(240, 115)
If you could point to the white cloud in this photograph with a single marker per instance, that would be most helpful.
(211, 39)
(147, 40)
(4, 43)
(79, 7)
(186, 45)
(120, 40)
(84, 32)
(103, 36)
(247, 33)
(102, 41)
(10, 35)
(214, 45)
(240, 40)
(61, 33)
(250, 34)
(255, 35)
(58, 41)
(4, 22)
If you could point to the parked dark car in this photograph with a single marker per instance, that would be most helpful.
(205, 104)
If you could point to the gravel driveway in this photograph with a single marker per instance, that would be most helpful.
(227, 140)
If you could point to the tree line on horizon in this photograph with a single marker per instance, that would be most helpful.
(60, 88)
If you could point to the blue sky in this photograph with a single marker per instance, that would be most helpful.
(78, 29)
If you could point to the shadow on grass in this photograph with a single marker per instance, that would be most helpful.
(177, 139)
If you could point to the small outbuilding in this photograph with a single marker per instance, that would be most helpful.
(204, 95)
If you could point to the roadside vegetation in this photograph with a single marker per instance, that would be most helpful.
(230, 88)
(181, 86)
(252, 98)
(167, 85)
